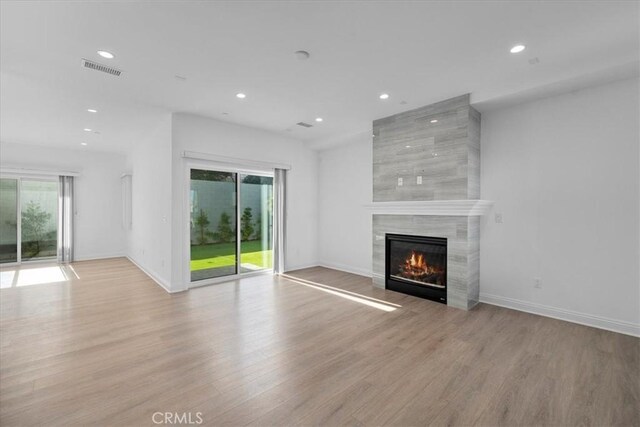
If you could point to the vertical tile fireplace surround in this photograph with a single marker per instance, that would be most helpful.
(426, 182)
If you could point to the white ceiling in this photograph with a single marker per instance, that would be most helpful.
(419, 52)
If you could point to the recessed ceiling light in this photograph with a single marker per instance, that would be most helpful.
(241, 95)
(407, 146)
(318, 119)
(517, 48)
(83, 143)
(91, 110)
(87, 130)
(106, 54)
(384, 96)
(434, 121)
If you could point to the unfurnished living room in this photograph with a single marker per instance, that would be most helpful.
(331, 213)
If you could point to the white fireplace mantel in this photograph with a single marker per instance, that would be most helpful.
(434, 207)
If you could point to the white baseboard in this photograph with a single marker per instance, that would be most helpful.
(300, 267)
(622, 327)
(346, 268)
(99, 256)
(153, 276)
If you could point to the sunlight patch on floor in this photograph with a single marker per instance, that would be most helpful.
(73, 270)
(6, 278)
(352, 296)
(31, 276)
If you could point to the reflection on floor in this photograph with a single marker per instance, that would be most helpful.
(223, 271)
(351, 296)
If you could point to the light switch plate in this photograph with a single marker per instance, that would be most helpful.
(498, 218)
(399, 182)
(419, 180)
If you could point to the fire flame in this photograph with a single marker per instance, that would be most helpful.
(417, 263)
(415, 268)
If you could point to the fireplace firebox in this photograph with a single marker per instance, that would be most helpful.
(417, 265)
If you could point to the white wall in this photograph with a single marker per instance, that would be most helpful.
(563, 171)
(149, 240)
(205, 135)
(345, 186)
(98, 196)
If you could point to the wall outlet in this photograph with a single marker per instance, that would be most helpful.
(400, 180)
(419, 180)
(498, 218)
(537, 283)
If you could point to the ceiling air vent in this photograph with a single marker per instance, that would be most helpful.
(99, 67)
(304, 125)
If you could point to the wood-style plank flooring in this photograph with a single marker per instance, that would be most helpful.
(107, 346)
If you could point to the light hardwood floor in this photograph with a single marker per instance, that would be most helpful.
(110, 347)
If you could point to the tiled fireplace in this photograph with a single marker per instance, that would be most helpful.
(463, 250)
(416, 265)
(426, 183)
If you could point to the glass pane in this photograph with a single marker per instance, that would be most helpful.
(8, 220)
(256, 223)
(39, 219)
(213, 224)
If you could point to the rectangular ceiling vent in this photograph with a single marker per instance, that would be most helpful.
(304, 125)
(99, 67)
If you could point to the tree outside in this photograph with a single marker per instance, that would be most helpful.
(34, 232)
(246, 230)
(202, 224)
(225, 232)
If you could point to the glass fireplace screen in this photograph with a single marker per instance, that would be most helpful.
(418, 263)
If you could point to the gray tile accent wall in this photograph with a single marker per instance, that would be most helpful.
(473, 260)
(446, 154)
(473, 155)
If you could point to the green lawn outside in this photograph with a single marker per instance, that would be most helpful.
(223, 254)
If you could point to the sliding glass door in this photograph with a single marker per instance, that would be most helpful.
(231, 221)
(28, 219)
(39, 219)
(213, 224)
(8, 220)
(256, 222)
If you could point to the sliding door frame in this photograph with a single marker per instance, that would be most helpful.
(218, 167)
(19, 178)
